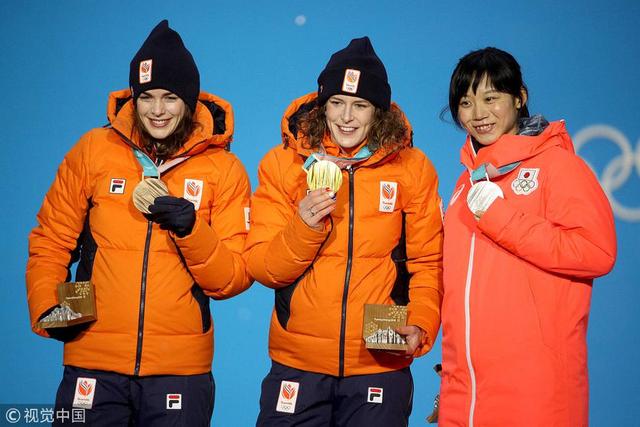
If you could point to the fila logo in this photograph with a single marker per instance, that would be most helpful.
(174, 401)
(351, 80)
(85, 392)
(145, 71)
(388, 196)
(374, 394)
(117, 185)
(193, 191)
(526, 182)
(287, 397)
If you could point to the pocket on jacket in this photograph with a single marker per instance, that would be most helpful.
(539, 303)
(203, 303)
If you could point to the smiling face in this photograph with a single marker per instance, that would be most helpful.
(349, 119)
(160, 112)
(488, 114)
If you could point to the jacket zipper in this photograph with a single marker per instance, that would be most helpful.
(347, 275)
(467, 328)
(143, 292)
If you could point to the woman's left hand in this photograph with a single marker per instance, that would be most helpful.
(413, 336)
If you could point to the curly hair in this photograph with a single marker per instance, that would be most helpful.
(165, 148)
(388, 129)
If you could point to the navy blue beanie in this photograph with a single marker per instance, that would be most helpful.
(163, 62)
(356, 71)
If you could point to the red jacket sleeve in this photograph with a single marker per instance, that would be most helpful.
(576, 237)
(60, 221)
(424, 237)
(280, 245)
(213, 252)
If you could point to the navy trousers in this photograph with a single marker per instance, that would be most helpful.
(122, 400)
(291, 397)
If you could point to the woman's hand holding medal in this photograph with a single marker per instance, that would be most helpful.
(324, 179)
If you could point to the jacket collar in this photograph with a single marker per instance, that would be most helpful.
(213, 114)
(514, 148)
(297, 142)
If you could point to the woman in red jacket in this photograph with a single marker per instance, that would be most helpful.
(146, 360)
(526, 231)
(328, 252)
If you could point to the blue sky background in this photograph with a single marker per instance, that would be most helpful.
(60, 59)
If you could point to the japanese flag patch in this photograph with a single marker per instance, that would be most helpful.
(526, 182)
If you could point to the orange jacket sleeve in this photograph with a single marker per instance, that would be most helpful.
(213, 252)
(60, 222)
(577, 235)
(280, 245)
(423, 222)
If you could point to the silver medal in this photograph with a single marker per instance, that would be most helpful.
(481, 195)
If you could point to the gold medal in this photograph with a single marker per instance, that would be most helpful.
(146, 192)
(324, 174)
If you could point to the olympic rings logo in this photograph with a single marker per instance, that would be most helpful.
(619, 169)
(524, 184)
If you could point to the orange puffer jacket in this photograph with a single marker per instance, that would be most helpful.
(151, 288)
(323, 279)
(517, 286)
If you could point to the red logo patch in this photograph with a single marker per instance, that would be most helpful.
(193, 189)
(388, 191)
(85, 388)
(288, 392)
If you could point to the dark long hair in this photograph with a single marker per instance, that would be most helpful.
(387, 130)
(167, 147)
(500, 68)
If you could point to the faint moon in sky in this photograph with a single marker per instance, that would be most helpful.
(300, 20)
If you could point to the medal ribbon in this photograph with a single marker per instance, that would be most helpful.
(481, 172)
(343, 162)
(149, 168)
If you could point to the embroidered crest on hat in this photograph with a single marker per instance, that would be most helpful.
(356, 70)
(526, 182)
(163, 62)
(351, 80)
(145, 70)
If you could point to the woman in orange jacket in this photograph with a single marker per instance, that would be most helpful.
(527, 230)
(154, 264)
(328, 252)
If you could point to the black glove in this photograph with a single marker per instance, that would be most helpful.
(174, 214)
(64, 334)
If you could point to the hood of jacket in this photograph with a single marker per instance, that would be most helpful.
(292, 139)
(514, 148)
(213, 113)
